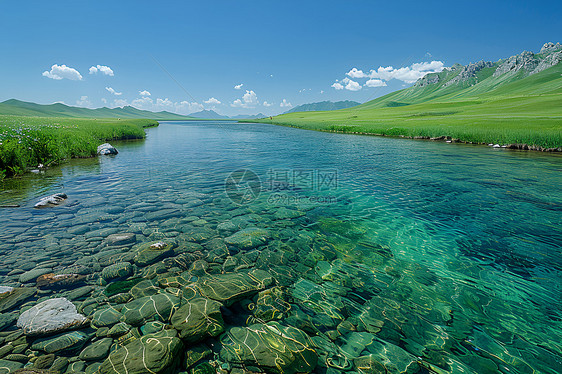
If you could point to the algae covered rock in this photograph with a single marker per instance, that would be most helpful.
(229, 288)
(149, 253)
(248, 238)
(62, 344)
(271, 346)
(158, 307)
(50, 316)
(197, 319)
(118, 270)
(149, 354)
(9, 366)
(106, 317)
(97, 351)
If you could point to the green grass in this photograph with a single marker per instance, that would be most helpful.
(506, 109)
(26, 142)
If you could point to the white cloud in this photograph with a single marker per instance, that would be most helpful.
(84, 102)
(408, 74)
(321, 91)
(285, 104)
(351, 85)
(249, 100)
(186, 107)
(59, 72)
(375, 83)
(113, 92)
(212, 101)
(145, 103)
(106, 70)
(144, 93)
(238, 86)
(338, 86)
(266, 104)
(183, 107)
(104, 100)
(354, 73)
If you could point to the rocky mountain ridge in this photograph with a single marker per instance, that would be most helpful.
(527, 62)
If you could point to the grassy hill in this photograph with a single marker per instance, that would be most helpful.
(323, 106)
(22, 108)
(487, 106)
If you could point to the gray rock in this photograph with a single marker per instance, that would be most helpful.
(550, 47)
(525, 61)
(121, 239)
(50, 201)
(107, 149)
(50, 316)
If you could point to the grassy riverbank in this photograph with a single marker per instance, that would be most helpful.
(502, 110)
(26, 142)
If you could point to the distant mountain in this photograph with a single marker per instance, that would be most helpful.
(249, 116)
(23, 108)
(208, 114)
(323, 106)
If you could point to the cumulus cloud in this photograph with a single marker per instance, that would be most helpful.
(144, 93)
(182, 107)
(59, 72)
(407, 74)
(338, 86)
(285, 104)
(113, 92)
(355, 73)
(351, 85)
(106, 70)
(212, 101)
(120, 103)
(249, 100)
(266, 104)
(104, 100)
(375, 83)
(84, 102)
(238, 86)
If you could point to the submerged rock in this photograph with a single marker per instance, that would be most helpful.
(271, 346)
(16, 297)
(50, 316)
(152, 252)
(118, 270)
(197, 319)
(229, 288)
(60, 281)
(33, 274)
(159, 355)
(5, 289)
(158, 307)
(121, 239)
(248, 238)
(50, 201)
(97, 351)
(107, 149)
(62, 344)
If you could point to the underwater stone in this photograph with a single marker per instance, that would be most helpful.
(197, 319)
(271, 346)
(248, 238)
(152, 252)
(229, 288)
(159, 307)
(118, 270)
(32, 275)
(17, 296)
(50, 316)
(50, 201)
(121, 239)
(159, 355)
(9, 366)
(62, 344)
(5, 289)
(106, 317)
(60, 281)
(96, 351)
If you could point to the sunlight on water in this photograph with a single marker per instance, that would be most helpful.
(396, 255)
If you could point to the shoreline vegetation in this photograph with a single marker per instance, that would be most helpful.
(34, 142)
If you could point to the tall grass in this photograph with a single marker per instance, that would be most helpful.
(26, 142)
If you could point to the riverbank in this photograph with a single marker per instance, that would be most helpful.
(27, 142)
(514, 122)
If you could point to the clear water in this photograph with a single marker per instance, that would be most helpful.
(458, 247)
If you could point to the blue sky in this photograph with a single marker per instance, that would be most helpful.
(185, 54)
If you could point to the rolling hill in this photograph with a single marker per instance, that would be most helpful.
(514, 100)
(23, 108)
(323, 106)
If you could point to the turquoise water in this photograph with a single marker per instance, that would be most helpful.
(449, 254)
